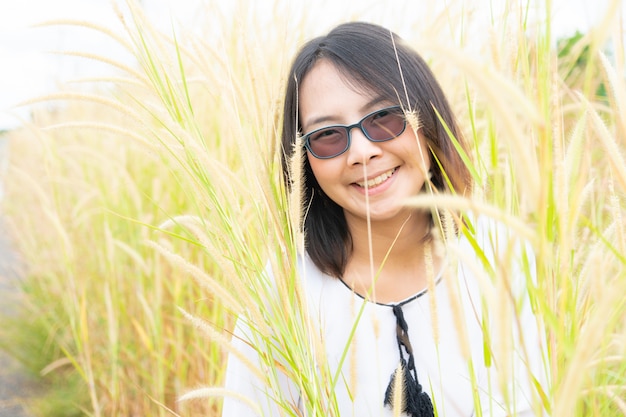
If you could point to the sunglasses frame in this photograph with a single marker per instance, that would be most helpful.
(348, 129)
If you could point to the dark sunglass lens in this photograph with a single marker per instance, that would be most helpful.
(385, 124)
(328, 142)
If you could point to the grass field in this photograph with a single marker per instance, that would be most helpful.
(145, 205)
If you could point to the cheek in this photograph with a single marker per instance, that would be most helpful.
(317, 167)
(423, 154)
(326, 171)
(417, 151)
(313, 164)
(425, 151)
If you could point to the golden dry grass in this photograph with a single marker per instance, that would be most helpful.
(164, 193)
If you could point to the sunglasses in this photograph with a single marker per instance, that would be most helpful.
(379, 126)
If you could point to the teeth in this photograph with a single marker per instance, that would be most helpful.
(375, 181)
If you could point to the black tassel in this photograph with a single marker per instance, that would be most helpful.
(415, 402)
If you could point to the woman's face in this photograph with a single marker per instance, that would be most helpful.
(394, 170)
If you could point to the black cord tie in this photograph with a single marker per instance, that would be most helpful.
(415, 402)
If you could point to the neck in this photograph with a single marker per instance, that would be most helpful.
(388, 261)
(389, 241)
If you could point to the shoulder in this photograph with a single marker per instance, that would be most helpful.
(499, 251)
(304, 271)
(495, 232)
(496, 240)
(314, 280)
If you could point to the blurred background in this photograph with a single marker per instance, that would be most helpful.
(31, 68)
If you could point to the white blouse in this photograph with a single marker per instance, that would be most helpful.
(450, 348)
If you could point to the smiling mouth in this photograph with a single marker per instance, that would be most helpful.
(377, 180)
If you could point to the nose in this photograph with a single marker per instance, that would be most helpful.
(361, 149)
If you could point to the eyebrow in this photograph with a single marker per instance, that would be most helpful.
(330, 118)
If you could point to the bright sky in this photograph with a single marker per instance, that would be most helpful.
(28, 70)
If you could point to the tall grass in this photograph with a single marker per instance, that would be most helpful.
(145, 212)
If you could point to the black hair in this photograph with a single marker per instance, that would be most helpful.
(372, 59)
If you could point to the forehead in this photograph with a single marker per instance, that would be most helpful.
(327, 74)
(327, 92)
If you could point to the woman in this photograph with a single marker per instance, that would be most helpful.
(377, 131)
